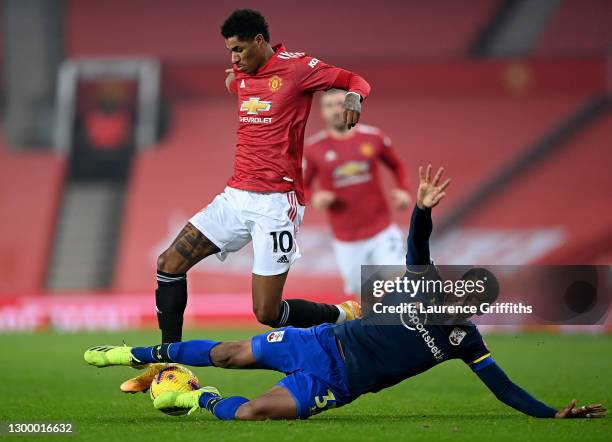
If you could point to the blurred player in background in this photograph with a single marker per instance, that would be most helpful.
(263, 201)
(346, 166)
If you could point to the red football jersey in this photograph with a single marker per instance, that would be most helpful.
(273, 106)
(349, 168)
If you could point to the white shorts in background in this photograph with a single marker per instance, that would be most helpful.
(270, 220)
(384, 248)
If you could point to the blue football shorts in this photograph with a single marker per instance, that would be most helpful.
(316, 374)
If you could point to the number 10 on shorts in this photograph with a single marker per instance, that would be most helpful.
(282, 240)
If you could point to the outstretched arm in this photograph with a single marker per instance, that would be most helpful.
(429, 194)
(418, 237)
(514, 396)
(315, 75)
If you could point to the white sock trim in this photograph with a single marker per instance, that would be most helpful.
(342, 316)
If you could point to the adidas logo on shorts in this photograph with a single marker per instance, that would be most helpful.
(283, 259)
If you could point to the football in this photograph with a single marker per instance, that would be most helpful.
(174, 378)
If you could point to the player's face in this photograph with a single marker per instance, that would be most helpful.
(331, 110)
(247, 56)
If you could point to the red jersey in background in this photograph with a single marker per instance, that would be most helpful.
(349, 168)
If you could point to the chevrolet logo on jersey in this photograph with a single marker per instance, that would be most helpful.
(352, 172)
(351, 168)
(253, 106)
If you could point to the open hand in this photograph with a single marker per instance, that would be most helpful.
(430, 193)
(586, 411)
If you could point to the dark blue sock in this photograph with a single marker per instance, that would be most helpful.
(156, 353)
(222, 408)
(195, 353)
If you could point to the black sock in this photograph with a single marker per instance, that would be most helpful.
(170, 301)
(301, 313)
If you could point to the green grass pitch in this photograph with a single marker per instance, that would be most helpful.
(44, 378)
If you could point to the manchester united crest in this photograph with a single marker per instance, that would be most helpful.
(275, 83)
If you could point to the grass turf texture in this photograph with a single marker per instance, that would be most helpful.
(44, 378)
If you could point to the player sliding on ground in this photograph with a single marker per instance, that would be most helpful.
(331, 365)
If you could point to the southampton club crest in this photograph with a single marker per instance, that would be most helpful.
(275, 336)
(457, 336)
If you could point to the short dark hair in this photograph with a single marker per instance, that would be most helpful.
(491, 284)
(245, 24)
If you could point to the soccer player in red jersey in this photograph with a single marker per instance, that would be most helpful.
(346, 166)
(264, 199)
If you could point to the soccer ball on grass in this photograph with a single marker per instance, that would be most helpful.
(174, 378)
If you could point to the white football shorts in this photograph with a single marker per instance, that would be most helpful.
(271, 220)
(384, 248)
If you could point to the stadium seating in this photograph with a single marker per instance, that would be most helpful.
(191, 31)
(564, 192)
(30, 186)
(578, 27)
